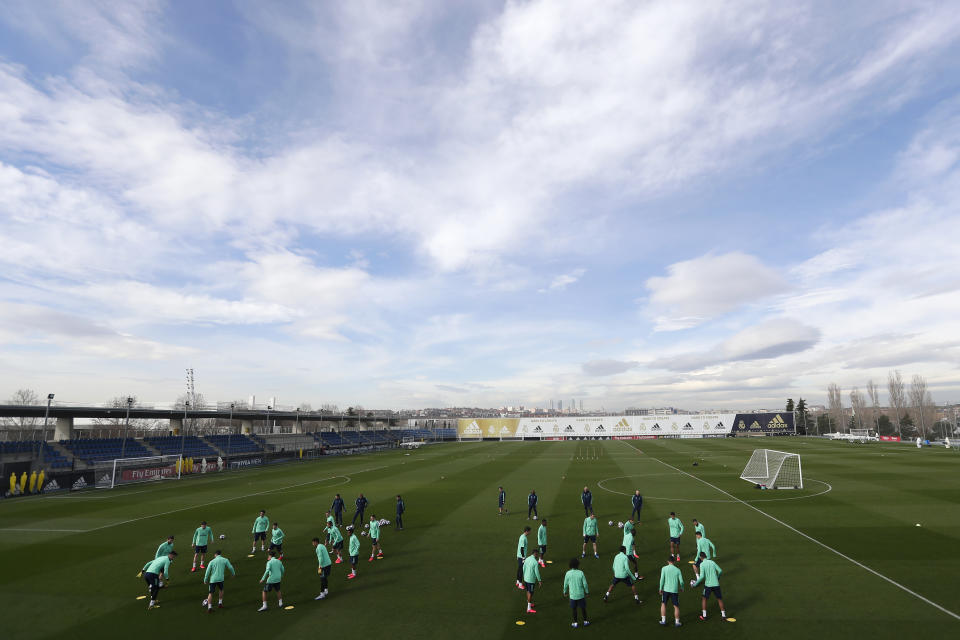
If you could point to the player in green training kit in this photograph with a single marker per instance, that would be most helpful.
(330, 521)
(542, 540)
(272, 576)
(671, 584)
(698, 526)
(575, 583)
(152, 572)
(336, 541)
(375, 538)
(276, 540)
(323, 558)
(260, 526)
(710, 577)
(216, 572)
(676, 530)
(590, 535)
(164, 549)
(621, 573)
(201, 537)
(521, 555)
(531, 577)
(704, 548)
(354, 553)
(628, 545)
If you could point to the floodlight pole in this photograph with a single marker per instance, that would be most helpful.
(269, 430)
(230, 431)
(46, 415)
(183, 428)
(126, 425)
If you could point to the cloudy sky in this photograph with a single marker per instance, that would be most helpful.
(407, 204)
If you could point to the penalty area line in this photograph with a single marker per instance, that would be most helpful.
(814, 540)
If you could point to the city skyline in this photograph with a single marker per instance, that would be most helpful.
(479, 204)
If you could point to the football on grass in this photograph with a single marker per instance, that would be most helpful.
(223, 536)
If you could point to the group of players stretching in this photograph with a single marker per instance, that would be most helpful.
(156, 570)
(705, 568)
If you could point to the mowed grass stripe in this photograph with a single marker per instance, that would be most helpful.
(818, 542)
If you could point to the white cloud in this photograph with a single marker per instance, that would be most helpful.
(561, 282)
(703, 288)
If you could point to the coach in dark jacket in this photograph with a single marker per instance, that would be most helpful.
(532, 505)
(361, 504)
(587, 499)
(637, 504)
(337, 509)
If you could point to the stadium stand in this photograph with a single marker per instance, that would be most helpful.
(93, 450)
(52, 457)
(170, 445)
(237, 444)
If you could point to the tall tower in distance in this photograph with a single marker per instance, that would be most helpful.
(560, 406)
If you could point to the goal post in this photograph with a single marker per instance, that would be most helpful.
(774, 469)
(111, 473)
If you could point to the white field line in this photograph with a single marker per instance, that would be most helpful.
(814, 540)
(50, 530)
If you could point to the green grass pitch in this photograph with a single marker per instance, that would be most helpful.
(69, 561)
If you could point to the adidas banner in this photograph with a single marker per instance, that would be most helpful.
(627, 427)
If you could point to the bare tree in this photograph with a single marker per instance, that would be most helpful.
(874, 394)
(196, 425)
(25, 397)
(918, 398)
(898, 399)
(835, 403)
(858, 405)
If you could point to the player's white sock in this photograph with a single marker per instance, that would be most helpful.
(280, 603)
(194, 565)
(263, 607)
(663, 619)
(636, 597)
(151, 603)
(221, 601)
(704, 613)
(723, 613)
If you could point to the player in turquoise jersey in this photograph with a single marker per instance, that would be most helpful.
(216, 572)
(151, 574)
(375, 538)
(621, 573)
(260, 526)
(676, 530)
(671, 584)
(542, 540)
(276, 540)
(531, 577)
(521, 555)
(164, 549)
(590, 535)
(330, 521)
(201, 537)
(323, 559)
(336, 541)
(710, 577)
(575, 583)
(354, 552)
(628, 526)
(704, 547)
(630, 550)
(698, 527)
(272, 577)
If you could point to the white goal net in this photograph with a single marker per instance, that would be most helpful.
(110, 473)
(774, 469)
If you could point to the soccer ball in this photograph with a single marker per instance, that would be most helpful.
(693, 583)
(610, 524)
(366, 525)
(363, 533)
(620, 525)
(223, 537)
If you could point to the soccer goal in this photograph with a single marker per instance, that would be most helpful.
(774, 469)
(860, 435)
(110, 473)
